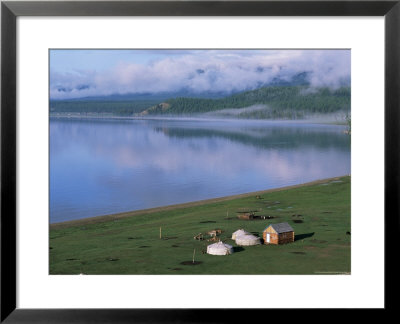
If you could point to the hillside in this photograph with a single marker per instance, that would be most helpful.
(120, 104)
(114, 107)
(288, 102)
(279, 102)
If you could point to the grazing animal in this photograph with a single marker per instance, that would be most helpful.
(213, 239)
(214, 232)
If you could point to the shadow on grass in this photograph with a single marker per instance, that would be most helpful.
(303, 236)
(192, 263)
(238, 249)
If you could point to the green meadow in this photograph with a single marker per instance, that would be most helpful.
(130, 243)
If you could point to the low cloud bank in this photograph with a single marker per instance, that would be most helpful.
(235, 111)
(205, 71)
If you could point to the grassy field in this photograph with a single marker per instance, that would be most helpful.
(130, 243)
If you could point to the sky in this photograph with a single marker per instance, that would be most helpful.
(86, 73)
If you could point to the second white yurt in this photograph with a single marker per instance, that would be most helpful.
(219, 248)
(247, 240)
(238, 233)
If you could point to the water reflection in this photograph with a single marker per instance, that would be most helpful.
(106, 166)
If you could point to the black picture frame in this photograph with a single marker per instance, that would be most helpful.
(10, 10)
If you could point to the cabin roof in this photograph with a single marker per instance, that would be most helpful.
(281, 227)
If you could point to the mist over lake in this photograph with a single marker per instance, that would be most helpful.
(104, 166)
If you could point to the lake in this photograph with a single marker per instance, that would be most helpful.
(105, 166)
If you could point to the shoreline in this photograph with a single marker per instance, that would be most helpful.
(122, 215)
(200, 118)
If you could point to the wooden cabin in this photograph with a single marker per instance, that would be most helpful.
(280, 233)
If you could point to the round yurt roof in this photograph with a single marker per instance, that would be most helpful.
(247, 239)
(219, 248)
(238, 233)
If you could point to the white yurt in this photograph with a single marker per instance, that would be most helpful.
(247, 239)
(238, 233)
(219, 248)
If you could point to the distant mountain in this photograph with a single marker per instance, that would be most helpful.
(300, 79)
(159, 96)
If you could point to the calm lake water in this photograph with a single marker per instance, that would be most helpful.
(100, 166)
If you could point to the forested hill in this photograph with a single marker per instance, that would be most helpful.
(94, 107)
(289, 102)
(279, 101)
(119, 104)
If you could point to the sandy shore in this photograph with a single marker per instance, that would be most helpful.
(111, 217)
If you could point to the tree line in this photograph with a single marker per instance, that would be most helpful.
(286, 100)
(289, 102)
(119, 108)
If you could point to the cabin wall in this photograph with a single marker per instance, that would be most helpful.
(273, 238)
(270, 230)
(286, 238)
